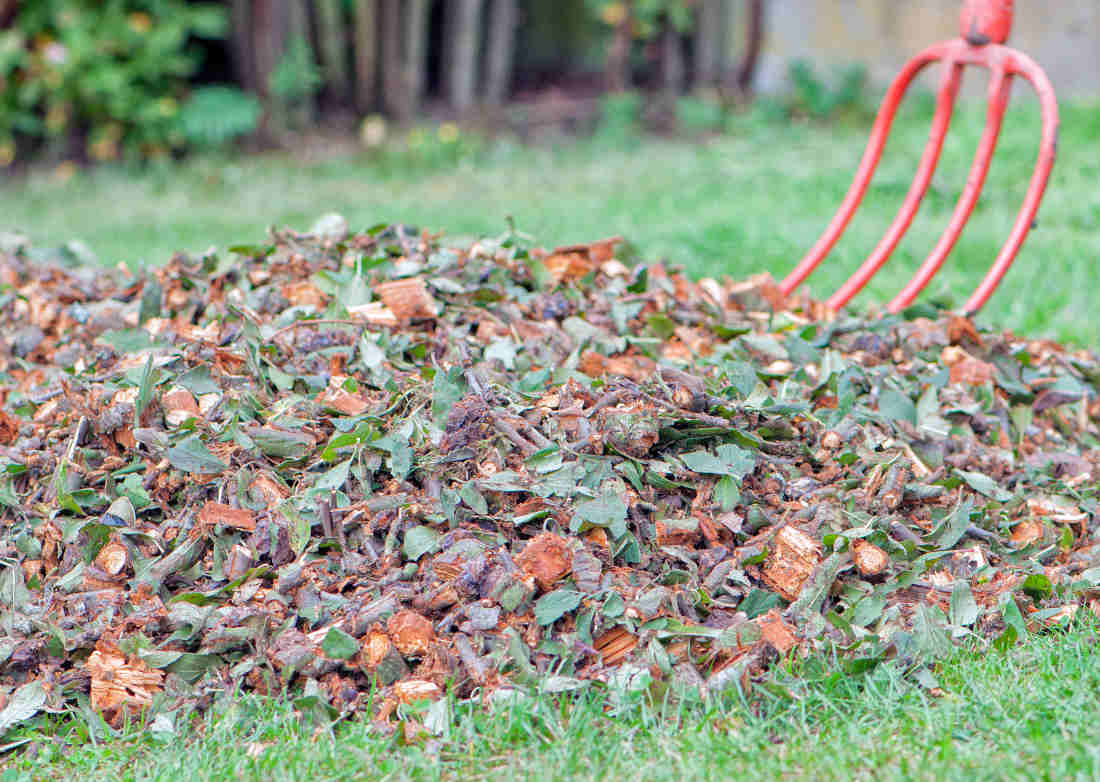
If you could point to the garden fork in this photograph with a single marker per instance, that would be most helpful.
(985, 26)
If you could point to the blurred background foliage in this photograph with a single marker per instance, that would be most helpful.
(99, 80)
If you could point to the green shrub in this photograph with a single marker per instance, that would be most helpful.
(647, 14)
(620, 117)
(815, 97)
(100, 78)
(213, 117)
(700, 113)
(294, 82)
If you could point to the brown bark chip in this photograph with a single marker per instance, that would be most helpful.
(407, 299)
(615, 645)
(547, 558)
(121, 686)
(794, 559)
(113, 558)
(216, 514)
(869, 558)
(9, 428)
(776, 633)
(411, 633)
(414, 690)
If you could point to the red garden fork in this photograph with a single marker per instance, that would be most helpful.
(985, 27)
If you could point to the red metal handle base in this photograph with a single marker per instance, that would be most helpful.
(985, 25)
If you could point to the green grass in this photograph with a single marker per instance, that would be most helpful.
(1028, 713)
(753, 200)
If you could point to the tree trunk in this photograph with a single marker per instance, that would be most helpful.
(333, 45)
(274, 26)
(243, 51)
(727, 11)
(8, 9)
(754, 41)
(269, 37)
(502, 46)
(617, 68)
(415, 52)
(366, 53)
(300, 109)
(462, 61)
(708, 41)
(672, 59)
(394, 92)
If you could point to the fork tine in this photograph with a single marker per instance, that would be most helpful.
(1000, 88)
(867, 166)
(1021, 64)
(985, 25)
(940, 123)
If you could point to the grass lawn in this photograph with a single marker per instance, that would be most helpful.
(752, 200)
(1023, 714)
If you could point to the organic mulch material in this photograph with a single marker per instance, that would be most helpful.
(373, 468)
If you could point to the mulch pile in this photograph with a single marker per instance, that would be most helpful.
(373, 467)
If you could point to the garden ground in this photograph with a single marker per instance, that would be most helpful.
(749, 201)
(1022, 714)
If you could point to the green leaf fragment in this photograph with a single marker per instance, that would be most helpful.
(281, 444)
(192, 456)
(338, 645)
(608, 510)
(420, 540)
(983, 484)
(896, 406)
(1038, 587)
(474, 499)
(964, 608)
(554, 605)
(25, 702)
(729, 460)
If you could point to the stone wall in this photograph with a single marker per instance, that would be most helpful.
(1062, 35)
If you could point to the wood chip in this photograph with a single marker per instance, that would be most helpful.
(547, 558)
(960, 329)
(794, 559)
(343, 401)
(269, 488)
(870, 560)
(304, 294)
(1027, 531)
(568, 267)
(179, 405)
(411, 633)
(972, 371)
(121, 686)
(238, 562)
(377, 647)
(375, 313)
(9, 428)
(215, 514)
(407, 299)
(615, 645)
(776, 633)
(416, 690)
(113, 558)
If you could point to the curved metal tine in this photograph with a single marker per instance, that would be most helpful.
(1023, 65)
(1000, 89)
(940, 123)
(867, 166)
